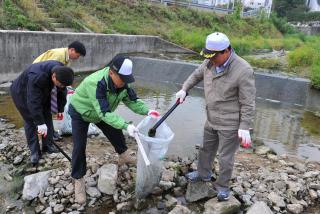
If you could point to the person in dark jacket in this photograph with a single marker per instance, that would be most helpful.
(31, 95)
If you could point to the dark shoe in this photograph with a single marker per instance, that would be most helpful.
(195, 177)
(50, 148)
(223, 194)
(56, 136)
(34, 158)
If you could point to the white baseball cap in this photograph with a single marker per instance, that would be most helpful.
(123, 67)
(215, 42)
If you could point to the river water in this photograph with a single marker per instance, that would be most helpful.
(277, 125)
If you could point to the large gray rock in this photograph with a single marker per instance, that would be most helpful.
(213, 206)
(108, 174)
(259, 207)
(276, 199)
(35, 183)
(263, 150)
(200, 190)
(179, 209)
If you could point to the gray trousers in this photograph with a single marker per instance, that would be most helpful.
(227, 142)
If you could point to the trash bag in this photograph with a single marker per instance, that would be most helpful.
(65, 127)
(155, 147)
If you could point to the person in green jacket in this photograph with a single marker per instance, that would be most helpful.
(95, 101)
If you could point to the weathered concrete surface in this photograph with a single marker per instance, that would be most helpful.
(20, 48)
(280, 89)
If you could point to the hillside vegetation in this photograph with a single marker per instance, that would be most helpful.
(183, 26)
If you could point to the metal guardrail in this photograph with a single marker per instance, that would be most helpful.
(250, 13)
(190, 4)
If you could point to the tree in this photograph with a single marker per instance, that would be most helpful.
(290, 8)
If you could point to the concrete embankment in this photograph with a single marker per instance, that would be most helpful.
(20, 48)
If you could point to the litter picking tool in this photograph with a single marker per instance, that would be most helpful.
(59, 148)
(56, 145)
(141, 149)
(152, 131)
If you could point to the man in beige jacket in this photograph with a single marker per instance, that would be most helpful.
(229, 89)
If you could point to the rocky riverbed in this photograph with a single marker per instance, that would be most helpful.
(262, 182)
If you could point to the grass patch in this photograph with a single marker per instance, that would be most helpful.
(183, 26)
(315, 74)
(311, 123)
(302, 56)
(273, 64)
(16, 185)
(14, 17)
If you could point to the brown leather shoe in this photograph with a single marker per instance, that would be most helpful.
(127, 158)
(80, 191)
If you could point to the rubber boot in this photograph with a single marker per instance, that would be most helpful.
(126, 158)
(80, 191)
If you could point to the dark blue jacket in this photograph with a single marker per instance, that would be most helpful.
(32, 90)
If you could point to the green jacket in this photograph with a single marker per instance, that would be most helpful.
(96, 99)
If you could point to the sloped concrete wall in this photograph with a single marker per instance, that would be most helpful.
(285, 89)
(20, 48)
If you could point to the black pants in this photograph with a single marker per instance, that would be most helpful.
(79, 138)
(31, 129)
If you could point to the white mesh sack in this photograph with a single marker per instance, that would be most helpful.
(155, 148)
(66, 127)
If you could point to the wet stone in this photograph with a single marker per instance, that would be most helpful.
(200, 190)
(7, 177)
(171, 201)
(259, 207)
(180, 210)
(93, 192)
(39, 209)
(125, 206)
(10, 126)
(313, 194)
(214, 206)
(277, 200)
(295, 208)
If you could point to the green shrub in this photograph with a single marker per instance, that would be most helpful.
(302, 56)
(290, 43)
(282, 24)
(273, 64)
(315, 74)
(15, 19)
(242, 46)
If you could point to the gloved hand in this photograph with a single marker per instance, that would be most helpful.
(181, 95)
(153, 113)
(60, 116)
(244, 136)
(131, 129)
(42, 129)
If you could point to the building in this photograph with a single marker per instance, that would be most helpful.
(257, 4)
(313, 5)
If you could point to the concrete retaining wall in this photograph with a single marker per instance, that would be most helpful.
(279, 88)
(20, 48)
(309, 30)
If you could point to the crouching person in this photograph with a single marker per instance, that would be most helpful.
(95, 101)
(31, 94)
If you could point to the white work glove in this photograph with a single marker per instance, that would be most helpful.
(153, 113)
(181, 95)
(131, 129)
(244, 136)
(42, 129)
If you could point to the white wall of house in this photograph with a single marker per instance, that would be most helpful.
(254, 3)
(313, 5)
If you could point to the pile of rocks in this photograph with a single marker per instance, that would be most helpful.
(261, 181)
